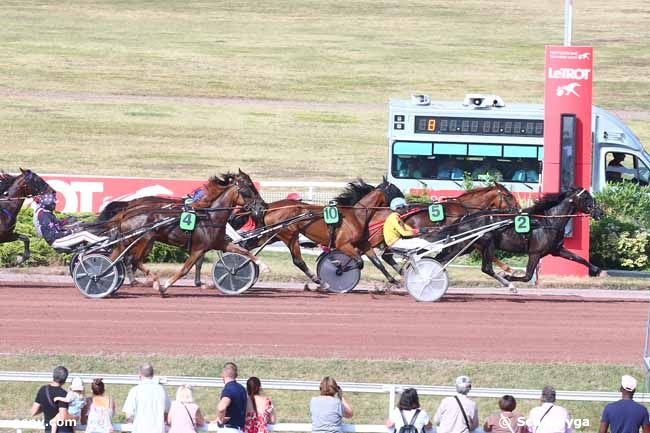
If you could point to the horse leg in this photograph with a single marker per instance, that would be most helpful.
(487, 256)
(234, 248)
(566, 254)
(197, 273)
(533, 260)
(507, 269)
(370, 253)
(191, 260)
(296, 256)
(389, 258)
(26, 253)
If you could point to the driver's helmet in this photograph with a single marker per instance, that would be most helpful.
(332, 203)
(47, 200)
(396, 203)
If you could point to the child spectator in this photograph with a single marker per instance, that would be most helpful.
(507, 421)
(76, 401)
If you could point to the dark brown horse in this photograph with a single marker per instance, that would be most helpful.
(213, 211)
(475, 200)
(14, 191)
(357, 206)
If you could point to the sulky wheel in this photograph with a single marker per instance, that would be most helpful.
(121, 276)
(233, 273)
(426, 280)
(339, 271)
(95, 276)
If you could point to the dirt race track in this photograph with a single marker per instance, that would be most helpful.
(282, 322)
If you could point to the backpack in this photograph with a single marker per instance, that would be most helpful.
(409, 427)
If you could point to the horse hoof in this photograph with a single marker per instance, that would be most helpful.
(602, 274)
(19, 260)
(198, 284)
(512, 289)
(136, 283)
(323, 287)
(306, 288)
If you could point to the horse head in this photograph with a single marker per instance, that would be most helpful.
(389, 190)
(585, 203)
(505, 198)
(28, 184)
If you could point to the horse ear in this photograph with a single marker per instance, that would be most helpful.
(240, 172)
(21, 170)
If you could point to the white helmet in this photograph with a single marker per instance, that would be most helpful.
(397, 203)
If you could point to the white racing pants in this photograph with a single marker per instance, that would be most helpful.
(410, 244)
(75, 239)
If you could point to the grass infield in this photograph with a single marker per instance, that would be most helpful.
(109, 87)
(292, 406)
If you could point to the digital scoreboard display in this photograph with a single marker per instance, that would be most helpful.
(478, 126)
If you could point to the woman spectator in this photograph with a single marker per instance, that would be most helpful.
(259, 409)
(329, 409)
(99, 410)
(506, 421)
(184, 415)
(408, 412)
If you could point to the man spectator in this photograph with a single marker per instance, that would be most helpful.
(549, 417)
(625, 415)
(44, 402)
(457, 414)
(147, 403)
(231, 410)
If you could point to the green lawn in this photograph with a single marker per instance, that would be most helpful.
(59, 58)
(292, 406)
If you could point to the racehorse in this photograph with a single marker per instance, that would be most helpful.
(357, 205)
(549, 217)
(475, 200)
(213, 211)
(114, 211)
(14, 190)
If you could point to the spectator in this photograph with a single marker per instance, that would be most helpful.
(184, 415)
(408, 412)
(549, 417)
(328, 409)
(147, 403)
(259, 409)
(98, 413)
(76, 401)
(625, 415)
(507, 421)
(44, 402)
(231, 410)
(457, 414)
(614, 175)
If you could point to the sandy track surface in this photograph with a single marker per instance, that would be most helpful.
(289, 322)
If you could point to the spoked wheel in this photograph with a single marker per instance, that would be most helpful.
(96, 277)
(339, 271)
(233, 274)
(426, 280)
(73, 262)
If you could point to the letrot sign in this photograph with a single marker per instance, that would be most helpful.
(567, 140)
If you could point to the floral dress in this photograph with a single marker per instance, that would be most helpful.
(256, 422)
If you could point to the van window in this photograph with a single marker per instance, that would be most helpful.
(621, 166)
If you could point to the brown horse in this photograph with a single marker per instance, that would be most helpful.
(496, 196)
(16, 190)
(115, 211)
(215, 209)
(357, 206)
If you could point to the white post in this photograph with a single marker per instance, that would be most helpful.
(311, 194)
(391, 399)
(568, 22)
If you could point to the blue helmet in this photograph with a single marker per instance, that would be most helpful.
(397, 203)
(47, 200)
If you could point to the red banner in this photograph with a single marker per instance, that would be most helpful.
(568, 91)
(91, 194)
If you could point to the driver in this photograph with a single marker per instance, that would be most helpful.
(397, 234)
(55, 231)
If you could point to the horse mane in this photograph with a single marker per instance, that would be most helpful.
(224, 180)
(546, 202)
(6, 180)
(353, 192)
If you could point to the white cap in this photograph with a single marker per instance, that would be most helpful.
(77, 384)
(628, 383)
(463, 381)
